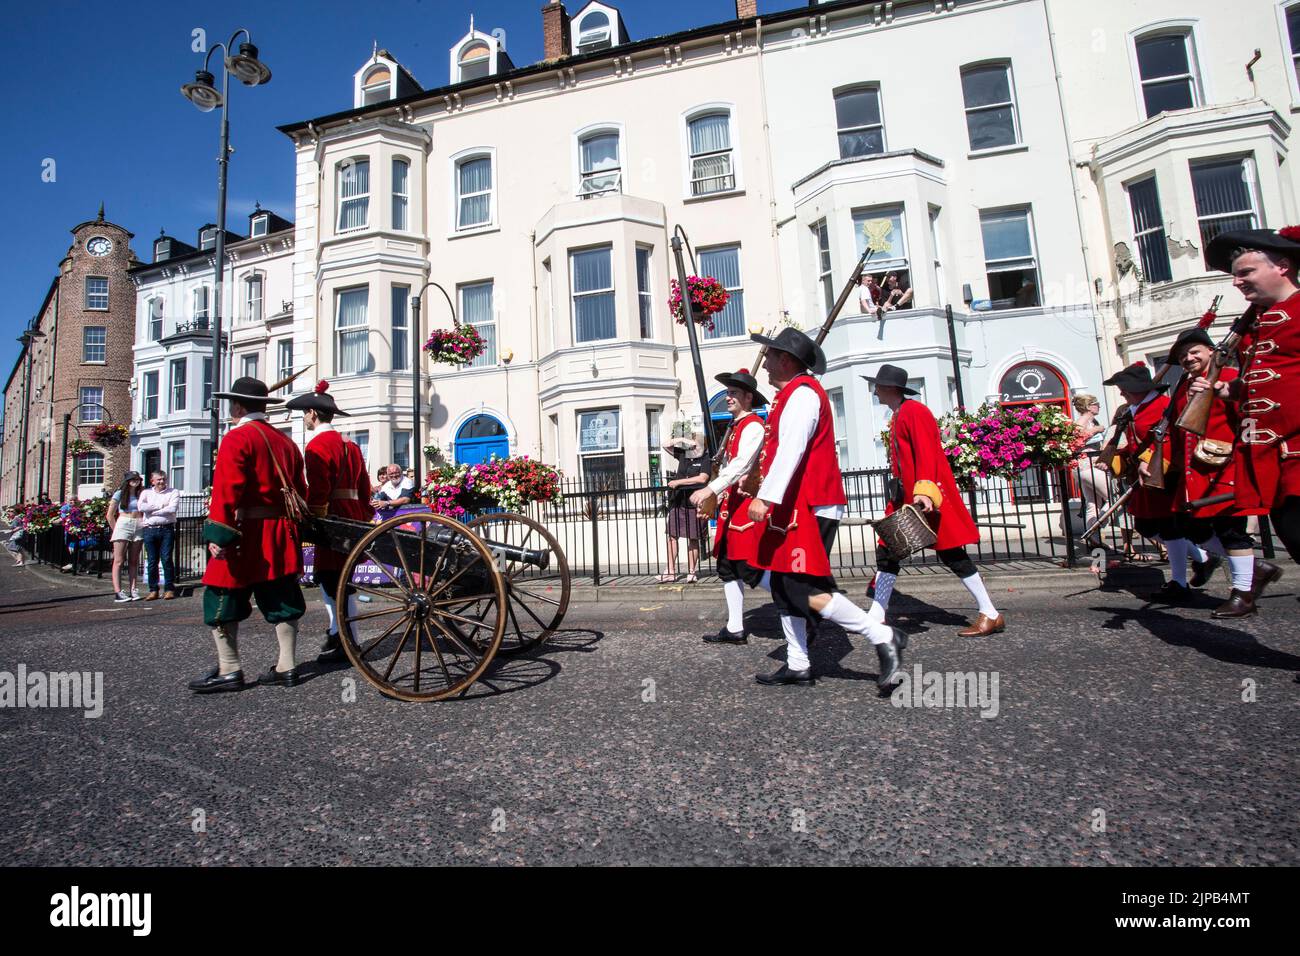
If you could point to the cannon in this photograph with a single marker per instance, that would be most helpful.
(445, 598)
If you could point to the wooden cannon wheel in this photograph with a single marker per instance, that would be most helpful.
(538, 599)
(411, 640)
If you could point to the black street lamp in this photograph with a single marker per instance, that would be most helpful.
(28, 336)
(416, 449)
(250, 71)
(679, 234)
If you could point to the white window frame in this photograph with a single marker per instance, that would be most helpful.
(253, 311)
(820, 229)
(96, 407)
(204, 244)
(244, 364)
(362, 198)
(587, 132)
(205, 383)
(259, 226)
(149, 317)
(731, 290)
(146, 413)
(1028, 210)
(204, 314)
(340, 330)
(1190, 30)
(384, 89)
(1293, 55)
(172, 404)
(611, 31)
(688, 165)
(284, 367)
(840, 425)
(172, 466)
(86, 345)
(393, 445)
(486, 60)
(489, 357)
(404, 198)
(880, 104)
(79, 469)
(645, 300)
(574, 294)
(402, 331)
(97, 295)
(1247, 160)
(464, 156)
(1005, 63)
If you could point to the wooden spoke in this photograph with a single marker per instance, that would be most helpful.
(374, 592)
(381, 611)
(463, 620)
(372, 644)
(388, 574)
(424, 628)
(456, 577)
(401, 555)
(398, 653)
(536, 597)
(454, 639)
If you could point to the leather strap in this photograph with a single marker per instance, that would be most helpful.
(344, 494)
(258, 511)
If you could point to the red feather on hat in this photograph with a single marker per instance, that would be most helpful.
(1139, 364)
(322, 386)
(1290, 232)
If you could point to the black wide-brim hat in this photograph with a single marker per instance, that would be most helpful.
(742, 379)
(1136, 378)
(1187, 340)
(894, 377)
(797, 344)
(319, 401)
(249, 391)
(1219, 253)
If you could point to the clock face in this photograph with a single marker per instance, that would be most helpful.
(99, 246)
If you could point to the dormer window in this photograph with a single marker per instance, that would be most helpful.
(377, 86)
(162, 249)
(259, 226)
(475, 61)
(208, 238)
(594, 32)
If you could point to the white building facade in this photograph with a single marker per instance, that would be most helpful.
(175, 296)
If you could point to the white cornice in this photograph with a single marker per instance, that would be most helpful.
(1206, 120)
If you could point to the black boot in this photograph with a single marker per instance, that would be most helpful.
(783, 675)
(891, 659)
(1202, 571)
(1171, 593)
(332, 651)
(725, 636)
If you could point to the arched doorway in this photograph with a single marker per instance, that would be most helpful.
(1034, 383)
(479, 439)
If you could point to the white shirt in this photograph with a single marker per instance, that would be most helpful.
(251, 417)
(798, 422)
(159, 507)
(751, 442)
(402, 489)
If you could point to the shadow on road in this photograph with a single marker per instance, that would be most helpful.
(1206, 636)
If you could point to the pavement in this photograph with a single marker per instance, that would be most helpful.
(1117, 733)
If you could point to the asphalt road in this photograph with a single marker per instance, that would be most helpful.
(1121, 735)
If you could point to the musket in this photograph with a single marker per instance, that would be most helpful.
(1196, 416)
(1110, 510)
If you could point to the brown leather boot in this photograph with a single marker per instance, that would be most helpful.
(151, 596)
(1239, 604)
(1266, 572)
(984, 626)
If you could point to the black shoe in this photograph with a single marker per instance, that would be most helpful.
(1266, 572)
(274, 677)
(1171, 593)
(332, 651)
(1202, 571)
(725, 636)
(216, 682)
(891, 659)
(783, 675)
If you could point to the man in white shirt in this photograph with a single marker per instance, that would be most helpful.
(159, 505)
(735, 545)
(393, 493)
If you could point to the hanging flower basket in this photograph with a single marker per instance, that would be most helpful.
(110, 436)
(78, 447)
(456, 346)
(433, 454)
(708, 298)
(460, 491)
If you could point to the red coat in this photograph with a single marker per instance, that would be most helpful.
(337, 485)
(1191, 479)
(917, 459)
(1268, 468)
(742, 533)
(245, 487)
(1147, 502)
(791, 541)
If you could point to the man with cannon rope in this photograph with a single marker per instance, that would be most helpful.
(338, 485)
(799, 506)
(923, 478)
(1266, 455)
(1204, 497)
(735, 545)
(254, 545)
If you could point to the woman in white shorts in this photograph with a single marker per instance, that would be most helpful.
(128, 535)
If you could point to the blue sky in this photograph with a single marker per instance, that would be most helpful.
(95, 87)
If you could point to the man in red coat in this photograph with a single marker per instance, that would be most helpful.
(799, 505)
(254, 548)
(735, 544)
(1267, 454)
(1205, 471)
(924, 479)
(338, 485)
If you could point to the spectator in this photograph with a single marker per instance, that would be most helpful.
(870, 295)
(897, 296)
(159, 505)
(1093, 480)
(683, 519)
(12, 538)
(396, 491)
(128, 535)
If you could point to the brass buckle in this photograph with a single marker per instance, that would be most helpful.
(1260, 406)
(1258, 376)
(1256, 437)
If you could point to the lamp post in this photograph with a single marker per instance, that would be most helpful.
(203, 94)
(28, 336)
(416, 449)
(711, 439)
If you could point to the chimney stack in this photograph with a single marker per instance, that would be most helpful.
(555, 31)
(746, 9)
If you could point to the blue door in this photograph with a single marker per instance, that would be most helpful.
(479, 439)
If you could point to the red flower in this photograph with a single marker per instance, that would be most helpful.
(322, 386)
